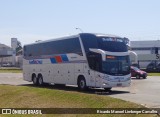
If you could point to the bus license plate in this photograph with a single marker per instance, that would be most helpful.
(119, 84)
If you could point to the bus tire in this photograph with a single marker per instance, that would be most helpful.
(34, 79)
(82, 83)
(40, 80)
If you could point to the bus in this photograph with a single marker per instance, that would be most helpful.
(86, 60)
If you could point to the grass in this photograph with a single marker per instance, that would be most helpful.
(10, 70)
(153, 74)
(50, 97)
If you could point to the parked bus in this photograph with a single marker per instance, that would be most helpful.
(85, 60)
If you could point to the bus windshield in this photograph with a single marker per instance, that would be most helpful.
(116, 65)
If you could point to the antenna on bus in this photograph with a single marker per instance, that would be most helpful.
(79, 30)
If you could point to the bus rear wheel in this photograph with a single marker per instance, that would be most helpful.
(82, 83)
(34, 79)
(40, 80)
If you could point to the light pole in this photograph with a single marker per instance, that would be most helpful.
(79, 30)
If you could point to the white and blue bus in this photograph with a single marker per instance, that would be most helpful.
(85, 60)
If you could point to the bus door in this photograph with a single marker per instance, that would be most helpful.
(98, 79)
(92, 80)
(94, 60)
(94, 75)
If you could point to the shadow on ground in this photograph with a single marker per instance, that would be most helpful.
(97, 91)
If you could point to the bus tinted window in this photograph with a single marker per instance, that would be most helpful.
(111, 44)
(89, 41)
(54, 47)
(108, 44)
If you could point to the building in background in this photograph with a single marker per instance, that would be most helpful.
(5, 55)
(11, 56)
(17, 52)
(147, 52)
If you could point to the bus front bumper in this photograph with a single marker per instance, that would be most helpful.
(116, 81)
(115, 84)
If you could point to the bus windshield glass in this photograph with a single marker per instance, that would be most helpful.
(116, 65)
(112, 44)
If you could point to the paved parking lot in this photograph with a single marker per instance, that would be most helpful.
(12, 79)
(142, 91)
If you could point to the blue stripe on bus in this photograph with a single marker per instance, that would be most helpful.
(53, 60)
(64, 57)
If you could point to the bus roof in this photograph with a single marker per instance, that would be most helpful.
(73, 36)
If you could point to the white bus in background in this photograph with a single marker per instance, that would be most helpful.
(86, 60)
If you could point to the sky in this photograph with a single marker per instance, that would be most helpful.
(31, 20)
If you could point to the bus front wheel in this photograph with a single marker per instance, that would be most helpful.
(82, 83)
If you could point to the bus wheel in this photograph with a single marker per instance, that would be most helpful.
(107, 89)
(40, 80)
(34, 79)
(82, 83)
